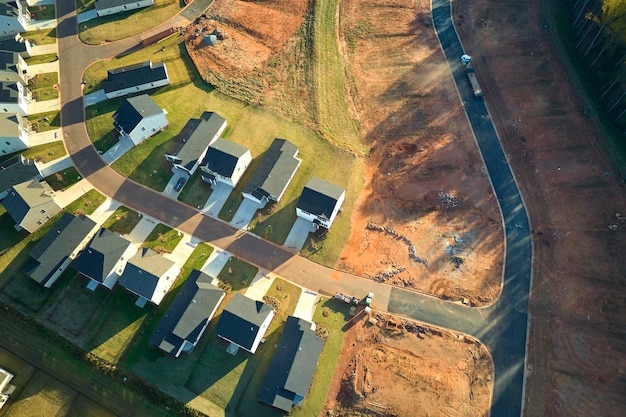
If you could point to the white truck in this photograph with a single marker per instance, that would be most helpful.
(471, 76)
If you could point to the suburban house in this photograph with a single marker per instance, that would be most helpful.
(138, 118)
(12, 67)
(30, 204)
(58, 248)
(320, 202)
(274, 173)
(13, 135)
(15, 171)
(188, 316)
(6, 388)
(291, 371)
(104, 259)
(149, 275)
(107, 7)
(225, 162)
(195, 139)
(134, 79)
(14, 17)
(15, 43)
(14, 97)
(243, 323)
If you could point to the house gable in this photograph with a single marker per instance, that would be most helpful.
(321, 200)
(101, 256)
(226, 159)
(149, 275)
(15, 171)
(31, 204)
(244, 321)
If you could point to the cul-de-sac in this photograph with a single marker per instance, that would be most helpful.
(313, 208)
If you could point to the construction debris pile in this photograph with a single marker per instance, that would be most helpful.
(391, 232)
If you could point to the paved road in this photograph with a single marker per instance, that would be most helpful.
(502, 326)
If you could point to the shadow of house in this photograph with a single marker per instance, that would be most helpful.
(188, 316)
(104, 259)
(293, 365)
(16, 171)
(194, 145)
(31, 204)
(243, 323)
(135, 78)
(320, 202)
(149, 275)
(58, 248)
(225, 162)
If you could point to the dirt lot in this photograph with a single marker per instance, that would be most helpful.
(577, 344)
(394, 368)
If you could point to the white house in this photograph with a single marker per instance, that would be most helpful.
(31, 204)
(320, 202)
(138, 118)
(14, 97)
(244, 322)
(135, 79)
(273, 174)
(107, 7)
(195, 139)
(149, 275)
(13, 136)
(225, 162)
(14, 17)
(12, 67)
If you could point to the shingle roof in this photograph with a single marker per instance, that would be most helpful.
(133, 110)
(101, 255)
(241, 320)
(143, 271)
(291, 371)
(25, 201)
(275, 170)
(222, 157)
(204, 131)
(52, 249)
(134, 75)
(9, 8)
(319, 197)
(8, 61)
(8, 92)
(106, 4)
(9, 126)
(13, 43)
(15, 171)
(189, 312)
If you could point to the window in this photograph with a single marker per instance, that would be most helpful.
(143, 128)
(43, 211)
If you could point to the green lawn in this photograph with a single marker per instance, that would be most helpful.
(43, 86)
(122, 221)
(86, 204)
(44, 396)
(42, 12)
(238, 274)
(122, 25)
(46, 152)
(41, 36)
(100, 124)
(287, 295)
(85, 5)
(196, 192)
(8, 235)
(63, 179)
(41, 59)
(163, 239)
(42, 122)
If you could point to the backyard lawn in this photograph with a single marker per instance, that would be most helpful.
(122, 221)
(42, 12)
(43, 86)
(163, 239)
(41, 59)
(41, 36)
(46, 152)
(42, 122)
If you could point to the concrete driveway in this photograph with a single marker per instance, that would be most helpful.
(95, 97)
(169, 188)
(216, 262)
(244, 213)
(122, 146)
(217, 199)
(85, 16)
(306, 305)
(298, 234)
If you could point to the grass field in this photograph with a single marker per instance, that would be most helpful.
(287, 295)
(42, 122)
(85, 5)
(44, 396)
(86, 204)
(122, 25)
(8, 235)
(41, 36)
(63, 179)
(42, 12)
(237, 273)
(43, 86)
(163, 239)
(41, 59)
(46, 152)
(100, 124)
(122, 221)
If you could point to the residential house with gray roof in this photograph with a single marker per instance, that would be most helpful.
(15, 43)
(15, 171)
(31, 205)
(225, 162)
(293, 365)
(195, 139)
(273, 174)
(59, 247)
(14, 17)
(13, 134)
(104, 259)
(134, 79)
(108, 7)
(188, 316)
(138, 118)
(14, 97)
(12, 67)
(149, 275)
(243, 323)
(320, 202)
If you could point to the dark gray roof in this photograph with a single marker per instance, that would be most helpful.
(8, 61)
(17, 170)
(291, 371)
(8, 8)
(8, 92)
(203, 130)
(188, 314)
(241, 319)
(134, 75)
(319, 197)
(52, 249)
(10, 125)
(273, 173)
(25, 202)
(133, 110)
(13, 43)
(143, 271)
(106, 4)
(100, 256)
(222, 157)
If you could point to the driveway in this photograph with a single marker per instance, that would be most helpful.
(169, 189)
(298, 234)
(123, 145)
(95, 97)
(217, 199)
(244, 214)
(88, 15)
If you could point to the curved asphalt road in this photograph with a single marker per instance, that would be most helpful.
(501, 327)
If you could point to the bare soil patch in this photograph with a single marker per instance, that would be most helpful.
(390, 367)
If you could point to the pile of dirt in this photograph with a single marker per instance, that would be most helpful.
(391, 367)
